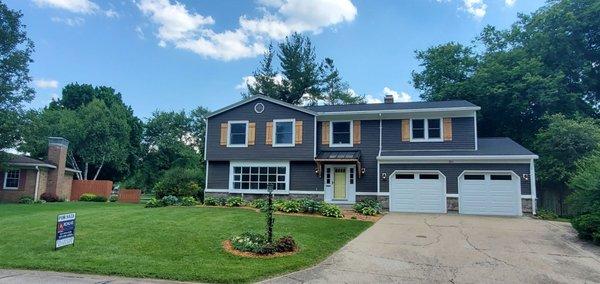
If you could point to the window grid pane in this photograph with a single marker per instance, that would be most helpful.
(340, 132)
(237, 134)
(12, 178)
(284, 132)
(259, 178)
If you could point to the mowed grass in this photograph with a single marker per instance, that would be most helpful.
(179, 243)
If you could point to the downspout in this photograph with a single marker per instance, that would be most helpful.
(205, 160)
(533, 187)
(378, 155)
(37, 183)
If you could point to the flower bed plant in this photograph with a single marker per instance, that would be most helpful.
(368, 207)
(258, 244)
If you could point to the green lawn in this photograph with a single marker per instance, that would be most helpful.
(181, 243)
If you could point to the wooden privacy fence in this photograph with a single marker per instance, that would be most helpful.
(96, 187)
(130, 195)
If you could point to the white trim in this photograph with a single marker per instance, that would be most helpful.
(215, 190)
(512, 173)
(37, 183)
(443, 158)
(398, 111)
(391, 177)
(351, 144)
(31, 165)
(4, 187)
(450, 161)
(229, 133)
(285, 164)
(426, 130)
(379, 154)
(206, 169)
(525, 196)
(250, 99)
(315, 137)
(306, 192)
(475, 128)
(533, 187)
(451, 195)
(275, 121)
(257, 105)
(373, 193)
(206, 137)
(329, 188)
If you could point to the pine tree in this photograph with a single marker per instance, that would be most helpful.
(336, 91)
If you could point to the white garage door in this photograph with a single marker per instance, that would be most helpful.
(418, 192)
(489, 193)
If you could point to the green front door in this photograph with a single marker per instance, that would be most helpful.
(339, 187)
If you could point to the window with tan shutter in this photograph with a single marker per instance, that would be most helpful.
(224, 131)
(325, 132)
(299, 132)
(356, 132)
(269, 133)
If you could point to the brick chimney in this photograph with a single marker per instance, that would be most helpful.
(57, 155)
(389, 99)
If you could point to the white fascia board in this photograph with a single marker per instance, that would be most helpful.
(244, 101)
(31, 165)
(399, 111)
(522, 158)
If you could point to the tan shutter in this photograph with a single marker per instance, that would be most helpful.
(447, 129)
(269, 133)
(223, 134)
(325, 133)
(298, 132)
(405, 130)
(251, 133)
(356, 131)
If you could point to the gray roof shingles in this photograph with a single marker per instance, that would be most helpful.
(497, 146)
(391, 106)
(338, 155)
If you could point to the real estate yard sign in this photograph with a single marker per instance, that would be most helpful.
(65, 230)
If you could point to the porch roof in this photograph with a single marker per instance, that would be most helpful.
(336, 156)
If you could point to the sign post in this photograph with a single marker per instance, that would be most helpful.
(65, 230)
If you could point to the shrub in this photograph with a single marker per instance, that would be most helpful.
(88, 197)
(113, 198)
(278, 204)
(310, 205)
(169, 200)
(588, 226)
(330, 210)
(546, 214)
(221, 201)
(291, 206)
(188, 201)
(234, 201)
(49, 197)
(285, 244)
(368, 207)
(153, 203)
(39, 201)
(211, 201)
(180, 182)
(26, 200)
(259, 204)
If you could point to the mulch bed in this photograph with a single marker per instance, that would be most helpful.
(230, 249)
(349, 214)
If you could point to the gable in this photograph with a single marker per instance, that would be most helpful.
(266, 101)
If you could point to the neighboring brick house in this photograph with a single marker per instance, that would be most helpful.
(412, 157)
(26, 176)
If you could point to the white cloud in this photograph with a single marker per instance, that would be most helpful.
(250, 80)
(476, 8)
(77, 21)
(185, 29)
(510, 3)
(75, 6)
(373, 100)
(45, 84)
(399, 97)
(111, 13)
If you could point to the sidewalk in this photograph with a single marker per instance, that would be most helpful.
(49, 277)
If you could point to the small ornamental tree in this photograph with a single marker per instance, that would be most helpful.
(270, 219)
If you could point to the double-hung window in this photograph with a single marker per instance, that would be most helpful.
(11, 179)
(341, 134)
(259, 176)
(238, 134)
(426, 129)
(283, 132)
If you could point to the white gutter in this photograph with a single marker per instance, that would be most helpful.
(475, 127)
(315, 137)
(33, 165)
(471, 157)
(397, 111)
(533, 187)
(37, 183)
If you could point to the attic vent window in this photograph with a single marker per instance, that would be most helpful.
(259, 108)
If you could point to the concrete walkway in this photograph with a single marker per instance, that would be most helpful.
(48, 277)
(418, 248)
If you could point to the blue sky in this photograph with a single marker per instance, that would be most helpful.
(173, 55)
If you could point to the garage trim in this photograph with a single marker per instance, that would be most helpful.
(512, 173)
(391, 176)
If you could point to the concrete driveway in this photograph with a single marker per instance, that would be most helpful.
(458, 249)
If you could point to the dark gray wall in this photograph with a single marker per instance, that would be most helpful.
(369, 148)
(302, 176)
(463, 137)
(452, 171)
(260, 151)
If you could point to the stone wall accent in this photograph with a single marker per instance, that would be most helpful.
(526, 204)
(252, 196)
(452, 203)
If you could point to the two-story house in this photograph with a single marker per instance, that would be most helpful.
(412, 157)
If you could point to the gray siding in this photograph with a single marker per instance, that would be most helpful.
(260, 151)
(452, 171)
(218, 175)
(463, 137)
(369, 148)
(303, 177)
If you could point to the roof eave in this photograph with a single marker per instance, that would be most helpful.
(413, 110)
(461, 157)
(32, 165)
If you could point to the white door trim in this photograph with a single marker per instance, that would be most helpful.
(350, 183)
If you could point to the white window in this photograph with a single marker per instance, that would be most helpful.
(11, 179)
(284, 132)
(426, 129)
(238, 134)
(258, 176)
(341, 134)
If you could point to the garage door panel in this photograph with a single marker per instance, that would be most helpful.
(417, 195)
(489, 196)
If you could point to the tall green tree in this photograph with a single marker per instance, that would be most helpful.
(265, 77)
(15, 55)
(335, 91)
(300, 70)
